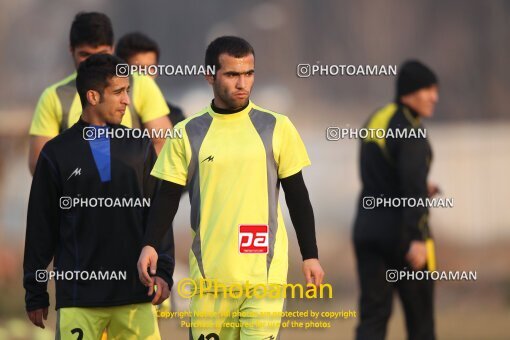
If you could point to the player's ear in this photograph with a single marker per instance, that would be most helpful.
(210, 78)
(93, 97)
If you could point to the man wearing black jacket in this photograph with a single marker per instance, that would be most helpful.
(395, 238)
(87, 211)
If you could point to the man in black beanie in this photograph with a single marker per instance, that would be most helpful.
(392, 240)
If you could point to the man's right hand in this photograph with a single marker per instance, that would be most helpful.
(148, 258)
(37, 316)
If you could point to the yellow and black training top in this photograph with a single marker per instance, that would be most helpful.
(59, 106)
(233, 164)
(396, 164)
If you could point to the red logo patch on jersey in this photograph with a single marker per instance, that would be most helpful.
(253, 239)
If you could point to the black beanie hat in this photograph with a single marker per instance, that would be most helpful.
(412, 76)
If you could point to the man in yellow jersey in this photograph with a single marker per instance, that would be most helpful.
(233, 157)
(59, 106)
(390, 240)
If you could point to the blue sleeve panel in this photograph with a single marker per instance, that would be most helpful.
(100, 147)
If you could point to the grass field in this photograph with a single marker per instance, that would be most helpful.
(464, 310)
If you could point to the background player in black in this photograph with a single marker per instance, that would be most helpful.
(394, 238)
(87, 238)
(138, 49)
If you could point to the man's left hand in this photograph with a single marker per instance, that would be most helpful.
(313, 272)
(162, 290)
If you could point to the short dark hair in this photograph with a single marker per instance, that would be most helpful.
(134, 43)
(91, 28)
(94, 74)
(233, 46)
